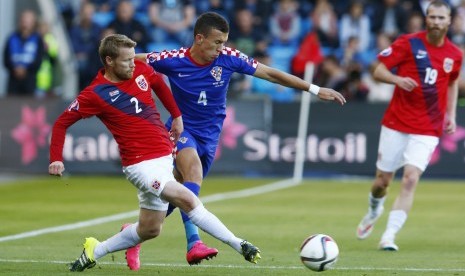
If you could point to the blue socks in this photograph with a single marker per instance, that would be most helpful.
(192, 232)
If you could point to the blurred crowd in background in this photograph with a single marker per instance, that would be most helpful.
(342, 38)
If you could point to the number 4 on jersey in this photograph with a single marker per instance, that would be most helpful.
(202, 98)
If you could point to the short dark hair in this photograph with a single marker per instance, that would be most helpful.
(208, 21)
(109, 46)
(438, 3)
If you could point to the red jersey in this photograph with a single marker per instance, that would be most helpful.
(128, 111)
(422, 110)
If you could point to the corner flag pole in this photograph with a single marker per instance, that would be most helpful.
(303, 125)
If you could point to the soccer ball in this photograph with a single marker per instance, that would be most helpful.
(319, 252)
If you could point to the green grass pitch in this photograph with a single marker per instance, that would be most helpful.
(431, 243)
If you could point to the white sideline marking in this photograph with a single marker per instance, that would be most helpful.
(271, 267)
(70, 226)
(212, 198)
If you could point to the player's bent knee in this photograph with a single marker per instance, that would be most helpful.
(409, 182)
(188, 202)
(180, 196)
(150, 233)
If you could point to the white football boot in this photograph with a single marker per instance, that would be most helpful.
(366, 226)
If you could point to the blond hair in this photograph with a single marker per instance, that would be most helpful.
(110, 45)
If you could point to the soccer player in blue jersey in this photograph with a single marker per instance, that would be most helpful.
(199, 77)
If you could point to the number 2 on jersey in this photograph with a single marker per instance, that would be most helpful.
(136, 103)
(202, 98)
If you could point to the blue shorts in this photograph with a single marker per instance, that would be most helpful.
(205, 149)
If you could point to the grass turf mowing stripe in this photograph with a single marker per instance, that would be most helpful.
(212, 198)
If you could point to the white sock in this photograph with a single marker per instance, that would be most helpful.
(209, 223)
(374, 202)
(125, 239)
(395, 222)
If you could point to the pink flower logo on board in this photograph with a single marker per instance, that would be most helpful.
(31, 133)
(231, 131)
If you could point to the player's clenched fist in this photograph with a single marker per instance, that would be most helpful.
(56, 168)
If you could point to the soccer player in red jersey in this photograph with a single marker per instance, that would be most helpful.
(120, 96)
(422, 108)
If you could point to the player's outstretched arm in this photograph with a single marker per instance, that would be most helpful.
(57, 141)
(285, 79)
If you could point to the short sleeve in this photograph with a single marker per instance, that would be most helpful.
(396, 53)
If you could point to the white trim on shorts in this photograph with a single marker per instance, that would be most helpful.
(397, 149)
(150, 178)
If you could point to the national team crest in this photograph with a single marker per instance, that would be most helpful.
(216, 72)
(448, 65)
(142, 83)
(156, 184)
(386, 52)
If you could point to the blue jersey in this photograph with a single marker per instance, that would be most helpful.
(200, 90)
